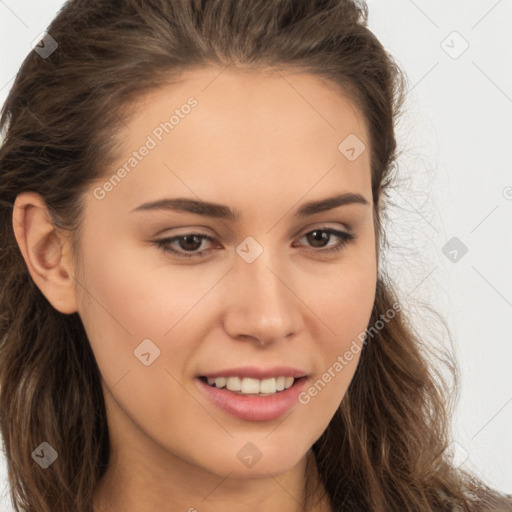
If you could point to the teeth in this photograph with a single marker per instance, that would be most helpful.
(267, 386)
(233, 383)
(280, 383)
(249, 386)
(220, 382)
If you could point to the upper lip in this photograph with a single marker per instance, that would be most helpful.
(257, 373)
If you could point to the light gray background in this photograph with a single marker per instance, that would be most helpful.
(457, 182)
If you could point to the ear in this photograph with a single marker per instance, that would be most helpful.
(45, 251)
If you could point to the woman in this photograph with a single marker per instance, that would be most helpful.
(193, 314)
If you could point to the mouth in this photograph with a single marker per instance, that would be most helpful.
(252, 399)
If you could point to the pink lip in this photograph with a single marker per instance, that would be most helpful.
(258, 373)
(254, 408)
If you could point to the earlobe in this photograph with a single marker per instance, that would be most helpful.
(42, 248)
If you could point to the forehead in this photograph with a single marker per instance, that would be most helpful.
(214, 131)
(264, 101)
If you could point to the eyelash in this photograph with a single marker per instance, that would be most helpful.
(164, 244)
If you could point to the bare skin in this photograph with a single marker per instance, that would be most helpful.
(264, 144)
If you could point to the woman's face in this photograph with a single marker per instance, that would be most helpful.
(264, 293)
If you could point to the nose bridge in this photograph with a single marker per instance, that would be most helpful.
(263, 306)
(264, 281)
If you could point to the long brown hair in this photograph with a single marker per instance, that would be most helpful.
(385, 448)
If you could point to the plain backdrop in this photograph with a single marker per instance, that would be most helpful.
(451, 229)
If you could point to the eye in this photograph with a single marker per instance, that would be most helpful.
(321, 235)
(189, 243)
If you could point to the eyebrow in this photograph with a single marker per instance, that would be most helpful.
(220, 211)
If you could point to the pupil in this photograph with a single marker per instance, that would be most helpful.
(187, 238)
(324, 237)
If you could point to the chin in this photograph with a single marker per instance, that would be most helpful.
(255, 459)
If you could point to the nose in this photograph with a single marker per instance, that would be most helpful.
(261, 305)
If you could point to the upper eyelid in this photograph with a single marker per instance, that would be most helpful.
(203, 231)
(332, 230)
(345, 228)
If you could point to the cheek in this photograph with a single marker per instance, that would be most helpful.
(128, 300)
(342, 299)
(343, 307)
(136, 292)
(346, 309)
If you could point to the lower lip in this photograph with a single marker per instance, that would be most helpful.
(254, 408)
